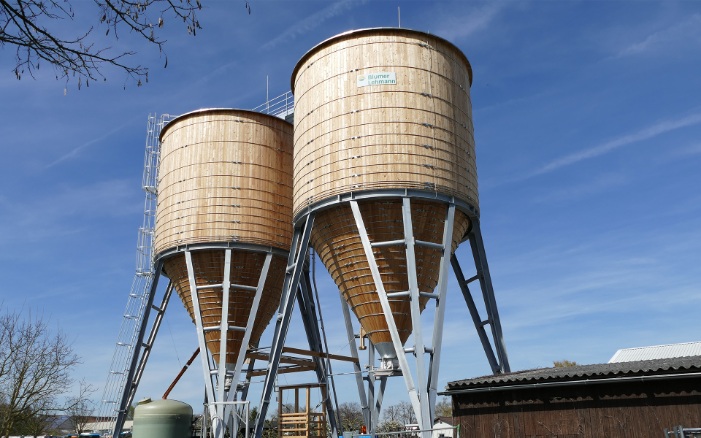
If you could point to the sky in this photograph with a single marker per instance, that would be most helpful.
(587, 119)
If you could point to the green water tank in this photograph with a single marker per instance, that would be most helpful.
(162, 419)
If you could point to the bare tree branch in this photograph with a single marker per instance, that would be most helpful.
(35, 367)
(23, 24)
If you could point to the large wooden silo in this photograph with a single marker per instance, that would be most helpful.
(382, 115)
(225, 183)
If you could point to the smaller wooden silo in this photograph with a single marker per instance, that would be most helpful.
(225, 181)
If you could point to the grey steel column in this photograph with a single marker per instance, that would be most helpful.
(217, 423)
(386, 309)
(474, 313)
(437, 341)
(297, 257)
(138, 361)
(356, 365)
(238, 367)
(485, 279)
(310, 320)
(423, 416)
(223, 337)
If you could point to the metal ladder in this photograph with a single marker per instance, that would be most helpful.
(138, 298)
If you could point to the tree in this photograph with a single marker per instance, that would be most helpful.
(564, 363)
(401, 413)
(389, 426)
(350, 416)
(32, 27)
(35, 366)
(444, 408)
(80, 408)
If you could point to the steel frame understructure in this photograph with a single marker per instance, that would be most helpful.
(422, 388)
(222, 390)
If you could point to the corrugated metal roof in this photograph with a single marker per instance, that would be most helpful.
(657, 352)
(585, 372)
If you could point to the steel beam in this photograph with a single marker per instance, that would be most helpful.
(296, 259)
(485, 279)
(386, 309)
(138, 361)
(437, 340)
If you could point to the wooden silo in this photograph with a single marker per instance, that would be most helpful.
(225, 183)
(381, 113)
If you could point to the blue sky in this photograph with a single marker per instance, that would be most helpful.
(587, 120)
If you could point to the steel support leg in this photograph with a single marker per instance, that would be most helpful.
(247, 336)
(297, 257)
(311, 324)
(480, 256)
(217, 423)
(424, 418)
(437, 341)
(386, 309)
(140, 350)
(476, 319)
(423, 394)
(496, 354)
(220, 383)
(367, 418)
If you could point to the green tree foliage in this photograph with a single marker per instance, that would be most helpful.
(350, 416)
(444, 408)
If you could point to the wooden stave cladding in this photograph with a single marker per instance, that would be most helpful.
(336, 241)
(245, 270)
(248, 157)
(416, 134)
(225, 175)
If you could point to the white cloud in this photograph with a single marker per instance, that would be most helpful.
(590, 187)
(313, 21)
(53, 214)
(681, 34)
(625, 140)
(456, 27)
(76, 150)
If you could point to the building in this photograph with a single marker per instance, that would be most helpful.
(442, 428)
(624, 399)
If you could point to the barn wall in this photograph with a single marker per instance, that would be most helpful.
(628, 410)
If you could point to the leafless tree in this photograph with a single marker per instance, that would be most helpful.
(33, 29)
(80, 408)
(35, 367)
(402, 412)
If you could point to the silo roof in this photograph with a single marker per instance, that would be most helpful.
(355, 32)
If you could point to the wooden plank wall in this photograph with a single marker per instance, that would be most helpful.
(225, 175)
(598, 411)
(209, 269)
(336, 240)
(415, 134)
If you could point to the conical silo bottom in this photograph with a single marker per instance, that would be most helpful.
(335, 238)
(246, 266)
